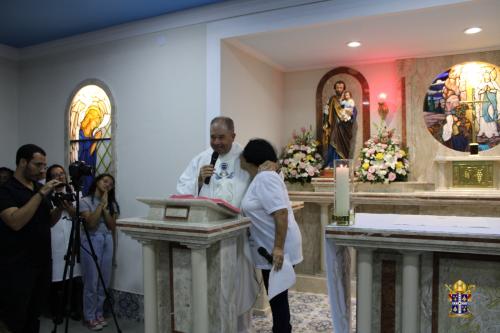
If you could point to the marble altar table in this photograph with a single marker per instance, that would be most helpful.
(411, 236)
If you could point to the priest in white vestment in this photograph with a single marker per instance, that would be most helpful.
(229, 182)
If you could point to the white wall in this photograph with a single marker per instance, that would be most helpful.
(251, 94)
(8, 112)
(158, 82)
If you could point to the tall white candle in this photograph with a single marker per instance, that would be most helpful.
(342, 191)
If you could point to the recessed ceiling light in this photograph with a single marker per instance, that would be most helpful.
(354, 44)
(472, 30)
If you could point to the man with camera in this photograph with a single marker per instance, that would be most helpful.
(25, 252)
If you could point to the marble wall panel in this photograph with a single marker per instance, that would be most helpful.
(228, 286)
(378, 289)
(181, 258)
(485, 305)
(222, 279)
(426, 278)
(419, 74)
(309, 223)
(163, 286)
(214, 302)
(222, 287)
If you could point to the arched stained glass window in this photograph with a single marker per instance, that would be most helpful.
(90, 130)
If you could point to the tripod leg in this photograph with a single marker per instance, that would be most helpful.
(63, 308)
(76, 306)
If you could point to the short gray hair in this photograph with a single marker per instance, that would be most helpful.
(228, 122)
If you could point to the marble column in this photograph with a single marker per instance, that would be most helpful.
(411, 300)
(364, 292)
(199, 288)
(325, 219)
(150, 292)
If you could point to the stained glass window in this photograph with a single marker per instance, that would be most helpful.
(90, 131)
(462, 105)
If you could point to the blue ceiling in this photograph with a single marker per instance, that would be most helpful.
(30, 22)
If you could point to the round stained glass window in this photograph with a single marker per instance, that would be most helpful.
(462, 106)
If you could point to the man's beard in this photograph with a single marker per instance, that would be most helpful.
(32, 176)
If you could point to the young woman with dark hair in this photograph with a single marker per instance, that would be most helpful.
(100, 210)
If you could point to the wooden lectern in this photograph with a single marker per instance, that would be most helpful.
(189, 263)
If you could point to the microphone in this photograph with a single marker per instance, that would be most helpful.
(213, 159)
(263, 252)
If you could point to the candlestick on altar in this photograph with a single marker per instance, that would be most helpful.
(342, 204)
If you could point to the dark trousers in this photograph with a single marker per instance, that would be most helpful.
(59, 301)
(23, 290)
(279, 308)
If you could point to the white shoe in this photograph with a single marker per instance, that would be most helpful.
(93, 325)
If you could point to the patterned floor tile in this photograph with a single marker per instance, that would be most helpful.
(309, 313)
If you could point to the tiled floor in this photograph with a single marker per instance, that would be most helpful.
(126, 326)
(310, 314)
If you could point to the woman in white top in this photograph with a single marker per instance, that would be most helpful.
(60, 236)
(273, 226)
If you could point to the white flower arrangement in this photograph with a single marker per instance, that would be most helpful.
(382, 160)
(300, 160)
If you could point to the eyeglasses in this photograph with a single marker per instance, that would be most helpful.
(57, 175)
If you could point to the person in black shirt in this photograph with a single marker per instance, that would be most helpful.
(5, 174)
(25, 253)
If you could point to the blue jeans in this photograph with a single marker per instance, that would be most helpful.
(93, 292)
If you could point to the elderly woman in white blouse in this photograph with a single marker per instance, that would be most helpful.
(273, 226)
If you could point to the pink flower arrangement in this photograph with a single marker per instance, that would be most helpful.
(382, 160)
(300, 160)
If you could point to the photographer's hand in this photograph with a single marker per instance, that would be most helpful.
(49, 187)
(17, 217)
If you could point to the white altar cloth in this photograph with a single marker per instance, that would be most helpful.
(428, 224)
(422, 233)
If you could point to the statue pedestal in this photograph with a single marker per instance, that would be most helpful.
(189, 264)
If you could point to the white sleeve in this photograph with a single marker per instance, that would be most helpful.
(271, 192)
(188, 181)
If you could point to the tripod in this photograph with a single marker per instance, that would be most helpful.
(73, 255)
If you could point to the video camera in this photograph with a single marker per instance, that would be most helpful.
(57, 198)
(78, 169)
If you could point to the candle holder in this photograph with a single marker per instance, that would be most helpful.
(343, 181)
